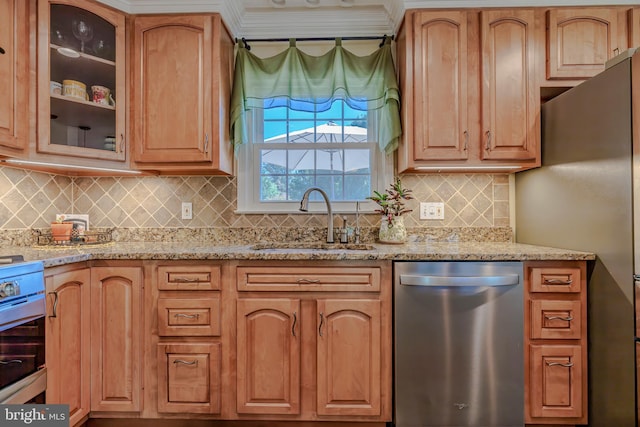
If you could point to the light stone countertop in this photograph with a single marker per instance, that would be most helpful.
(427, 251)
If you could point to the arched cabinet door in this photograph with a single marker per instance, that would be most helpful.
(268, 346)
(182, 67)
(440, 86)
(349, 348)
(116, 328)
(68, 346)
(509, 101)
(580, 41)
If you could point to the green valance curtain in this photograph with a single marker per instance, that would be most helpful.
(311, 83)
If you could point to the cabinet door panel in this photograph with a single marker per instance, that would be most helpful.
(68, 346)
(268, 346)
(509, 101)
(14, 41)
(556, 381)
(348, 354)
(634, 27)
(441, 67)
(580, 41)
(116, 327)
(189, 378)
(173, 94)
(76, 126)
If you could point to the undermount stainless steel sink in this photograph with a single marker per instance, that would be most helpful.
(313, 245)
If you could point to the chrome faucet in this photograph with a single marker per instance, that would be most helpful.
(304, 207)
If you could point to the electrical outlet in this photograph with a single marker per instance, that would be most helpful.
(187, 210)
(431, 210)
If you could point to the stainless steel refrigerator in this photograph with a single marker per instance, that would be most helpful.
(586, 196)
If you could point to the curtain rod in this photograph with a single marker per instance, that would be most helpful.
(306, 39)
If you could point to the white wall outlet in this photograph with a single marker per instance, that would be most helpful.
(187, 210)
(431, 210)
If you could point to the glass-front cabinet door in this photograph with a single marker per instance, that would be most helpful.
(81, 80)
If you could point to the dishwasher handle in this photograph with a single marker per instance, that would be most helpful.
(459, 281)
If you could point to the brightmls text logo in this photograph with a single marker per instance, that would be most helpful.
(34, 415)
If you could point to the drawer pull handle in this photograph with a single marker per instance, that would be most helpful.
(185, 362)
(293, 326)
(55, 304)
(557, 282)
(185, 280)
(304, 281)
(321, 323)
(9, 362)
(566, 319)
(187, 316)
(564, 365)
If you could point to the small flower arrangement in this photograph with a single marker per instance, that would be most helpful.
(392, 201)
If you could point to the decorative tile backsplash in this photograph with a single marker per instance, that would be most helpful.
(31, 200)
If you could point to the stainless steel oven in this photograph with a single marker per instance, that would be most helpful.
(23, 375)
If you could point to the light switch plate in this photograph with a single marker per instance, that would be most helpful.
(187, 210)
(431, 210)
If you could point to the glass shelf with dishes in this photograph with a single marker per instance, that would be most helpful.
(85, 77)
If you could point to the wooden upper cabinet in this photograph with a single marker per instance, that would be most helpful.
(14, 84)
(580, 41)
(440, 85)
(633, 18)
(181, 89)
(468, 80)
(81, 45)
(510, 104)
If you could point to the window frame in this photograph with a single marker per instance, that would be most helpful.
(248, 175)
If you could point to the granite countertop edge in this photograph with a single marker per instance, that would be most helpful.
(439, 251)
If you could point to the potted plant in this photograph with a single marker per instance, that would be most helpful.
(60, 230)
(392, 206)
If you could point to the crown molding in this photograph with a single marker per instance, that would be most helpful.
(364, 18)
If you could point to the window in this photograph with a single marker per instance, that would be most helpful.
(293, 150)
(297, 121)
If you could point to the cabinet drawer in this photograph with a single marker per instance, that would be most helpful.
(189, 316)
(556, 319)
(189, 277)
(189, 378)
(556, 377)
(555, 279)
(308, 279)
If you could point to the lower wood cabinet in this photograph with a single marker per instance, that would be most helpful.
(189, 378)
(269, 354)
(349, 351)
(116, 331)
(314, 353)
(67, 339)
(556, 343)
(556, 381)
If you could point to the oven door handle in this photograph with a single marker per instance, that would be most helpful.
(55, 304)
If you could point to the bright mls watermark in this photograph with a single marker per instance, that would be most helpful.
(34, 415)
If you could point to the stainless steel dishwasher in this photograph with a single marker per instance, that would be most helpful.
(458, 344)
